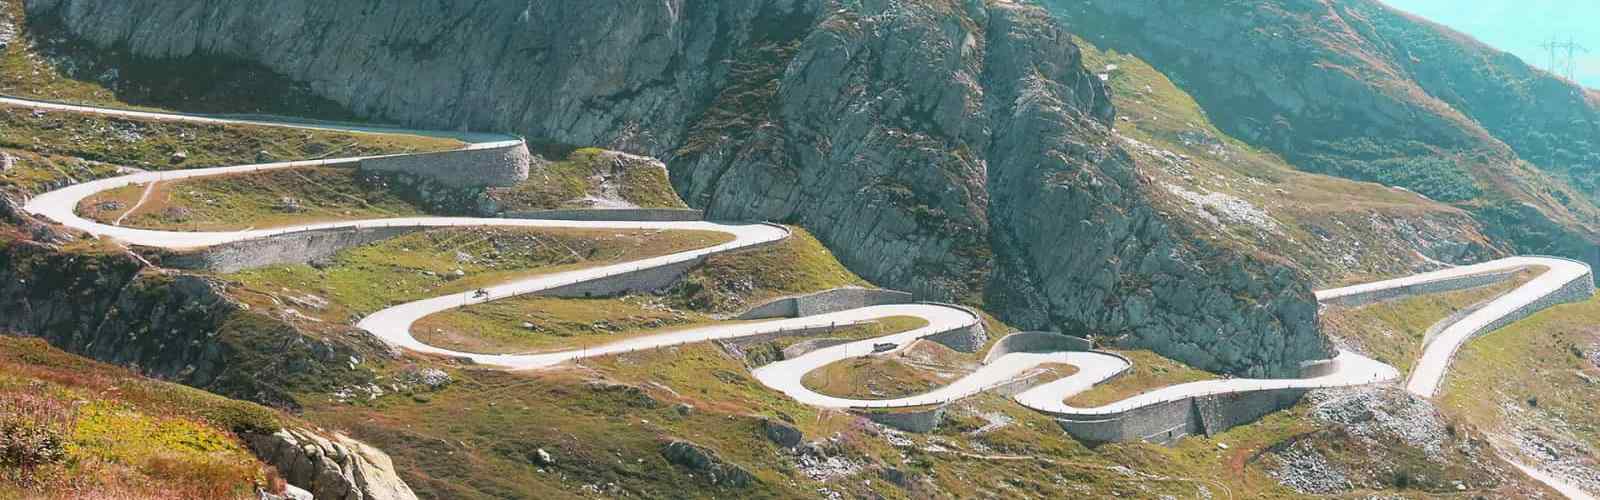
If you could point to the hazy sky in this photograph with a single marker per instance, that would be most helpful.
(1520, 26)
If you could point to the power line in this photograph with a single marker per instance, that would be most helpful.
(1564, 56)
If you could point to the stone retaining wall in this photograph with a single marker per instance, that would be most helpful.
(838, 299)
(502, 166)
(1318, 368)
(1440, 326)
(636, 281)
(919, 421)
(794, 332)
(1036, 342)
(1439, 286)
(970, 338)
(1577, 290)
(806, 346)
(640, 280)
(1019, 385)
(628, 214)
(290, 248)
(1167, 422)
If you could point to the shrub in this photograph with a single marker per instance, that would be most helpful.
(27, 443)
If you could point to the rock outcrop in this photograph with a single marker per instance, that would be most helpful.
(109, 306)
(331, 466)
(707, 464)
(781, 433)
(954, 149)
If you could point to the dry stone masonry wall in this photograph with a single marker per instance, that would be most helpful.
(920, 420)
(838, 299)
(641, 280)
(631, 214)
(1577, 290)
(1036, 342)
(1436, 286)
(290, 248)
(970, 338)
(501, 166)
(1167, 422)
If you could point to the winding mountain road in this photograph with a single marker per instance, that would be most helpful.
(394, 324)
(1429, 371)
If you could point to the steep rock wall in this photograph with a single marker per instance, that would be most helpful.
(955, 149)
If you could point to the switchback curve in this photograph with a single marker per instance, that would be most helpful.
(393, 324)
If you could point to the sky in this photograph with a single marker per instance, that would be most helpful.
(1521, 26)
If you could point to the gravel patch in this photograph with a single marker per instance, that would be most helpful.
(815, 461)
(1307, 471)
(994, 421)
(1379, 415)
(1560, 458)
(1549, 444)
(1218, 208)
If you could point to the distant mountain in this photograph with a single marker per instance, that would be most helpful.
(1357, 89)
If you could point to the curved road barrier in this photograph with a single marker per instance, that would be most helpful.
(1169, 412)
(1563, 281)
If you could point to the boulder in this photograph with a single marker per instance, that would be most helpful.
(706, 464)
(783, 434)
(331, 466)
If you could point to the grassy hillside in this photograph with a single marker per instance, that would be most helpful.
(165, 145)
(738, 281)
(73, 428)
(260, 200)
(362, 280)
(1354, 89)
(1394, 332)
(1530, 386)
(590, 178)
(1337, 230)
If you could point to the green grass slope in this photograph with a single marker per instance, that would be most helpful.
(74, 428)
(1337, 230)
(1354, 89)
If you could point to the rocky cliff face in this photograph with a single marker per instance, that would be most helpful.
(957, 149)
(1355, 89)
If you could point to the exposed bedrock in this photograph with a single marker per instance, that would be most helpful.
(331, 465)
(111, 307)
(957, 150)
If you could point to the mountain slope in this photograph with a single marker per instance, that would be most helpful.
(1355, 89)
(993, 182)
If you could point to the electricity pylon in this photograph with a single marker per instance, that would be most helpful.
(1564, 56)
